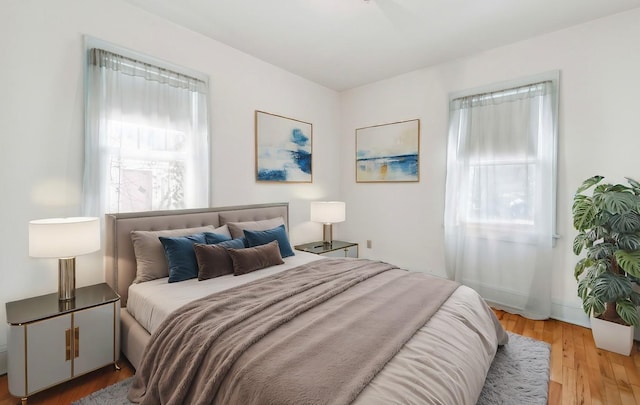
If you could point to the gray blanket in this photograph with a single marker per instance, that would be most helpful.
(314, 334)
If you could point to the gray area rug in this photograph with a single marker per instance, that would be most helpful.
(519, 375)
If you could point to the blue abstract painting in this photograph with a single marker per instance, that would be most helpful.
(283, 149)
(388, 152)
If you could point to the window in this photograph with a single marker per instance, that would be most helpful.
(146, 137)
(501, 193)
(504, 156)
(499, 219)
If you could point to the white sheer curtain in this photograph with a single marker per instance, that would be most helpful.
(500, 196)
(147, 137)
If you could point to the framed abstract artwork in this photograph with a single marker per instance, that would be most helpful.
(283, 149)
(388, 152)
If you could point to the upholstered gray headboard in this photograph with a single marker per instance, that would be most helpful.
(120, 260)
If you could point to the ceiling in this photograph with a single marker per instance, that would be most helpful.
(343, 44)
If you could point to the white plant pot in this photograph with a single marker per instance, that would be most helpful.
(612, 336)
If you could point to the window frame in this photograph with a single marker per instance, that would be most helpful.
(90, 42)
(497, 229)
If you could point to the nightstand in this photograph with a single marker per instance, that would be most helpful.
(337, 248)
(52, 341)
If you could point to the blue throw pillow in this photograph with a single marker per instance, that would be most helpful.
(238, 243)
(212, 238)
(181, 257)
(257, 238)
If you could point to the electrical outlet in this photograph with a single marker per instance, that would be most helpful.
(368, 243)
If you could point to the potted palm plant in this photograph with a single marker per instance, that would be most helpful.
(608, 221)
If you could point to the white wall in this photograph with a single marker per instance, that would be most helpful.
(41, 125)
(599, 133)
(41, 131)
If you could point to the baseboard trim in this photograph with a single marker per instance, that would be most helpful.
(559, 311)
(569, 314)
(3, 360)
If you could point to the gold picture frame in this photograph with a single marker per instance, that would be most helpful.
(388, 153)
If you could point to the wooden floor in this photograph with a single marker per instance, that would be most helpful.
(66, 393)
(580, 373)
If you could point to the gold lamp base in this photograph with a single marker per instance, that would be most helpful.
(66, 278)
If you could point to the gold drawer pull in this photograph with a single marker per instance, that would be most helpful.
(67, 333)
(76, 342)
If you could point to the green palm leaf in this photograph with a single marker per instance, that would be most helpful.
(601, 251)
(625, 223)
(581, 266)
(597, 232)
(618, 202)
(601, 218)
(628, 241)
(583, 288)
(628, 312)
(610, 287)
(634, 184)
(578, 243)
(617, 187)
(583, 212)
(635, 298)
(589, 182)
(593, 269)
(601, 266)
(629, 261)
(593, 305)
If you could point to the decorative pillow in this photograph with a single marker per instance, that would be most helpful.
(239, 243)
(213, 238)
(236, 228)
(222, 231)
(150, 258)
(213, 261)
(181, 256)
(255, 258)
(256, 238)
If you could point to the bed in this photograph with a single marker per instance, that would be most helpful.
(443, 361)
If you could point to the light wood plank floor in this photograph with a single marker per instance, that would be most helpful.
(580, 373)
(70, 391)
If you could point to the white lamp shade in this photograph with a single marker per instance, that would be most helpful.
(328, 212)
(64, 237)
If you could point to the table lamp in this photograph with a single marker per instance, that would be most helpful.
(328, 213)
(64, 239)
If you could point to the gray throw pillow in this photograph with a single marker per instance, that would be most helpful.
(213, 261)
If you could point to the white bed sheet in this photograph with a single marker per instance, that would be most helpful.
(152, 301)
